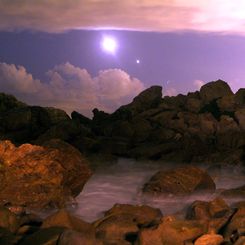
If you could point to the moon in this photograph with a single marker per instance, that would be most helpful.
(109, 44)
(137, 61)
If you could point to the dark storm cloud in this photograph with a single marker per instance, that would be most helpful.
(144, 15)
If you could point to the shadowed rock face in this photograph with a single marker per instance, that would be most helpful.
(204, 126)
(39, 176)
(181, 181)
(214, 90)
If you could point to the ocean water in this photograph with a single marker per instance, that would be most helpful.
(122, 183)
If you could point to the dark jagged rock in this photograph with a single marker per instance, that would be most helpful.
(149, 98)
(9, 102)
(39, 176)
(81, 118)
(205, 126)
(23, 124)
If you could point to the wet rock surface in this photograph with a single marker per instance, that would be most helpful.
(129, 224)
(180, 181)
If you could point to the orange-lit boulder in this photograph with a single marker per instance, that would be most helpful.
(39, 176)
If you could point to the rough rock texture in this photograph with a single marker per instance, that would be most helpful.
(38, 176)
(209, 239)
(205, 126)
(237, 192)
(122, 222)
(172, 232)
(184, 180)
(214, 90)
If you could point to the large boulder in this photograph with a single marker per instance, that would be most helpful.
(180, 181)
(227, 103)
(214, 90)
(228, 134)
(39, 176)
(149, 98)
(240, 117)
(62, 218)
(240, 97)
(122, 223)
(9, 102)
(23, 124)
(172, 232)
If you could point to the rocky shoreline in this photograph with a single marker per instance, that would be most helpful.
(46, 158)
(205, 223)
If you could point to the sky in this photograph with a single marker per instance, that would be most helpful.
(53, 52)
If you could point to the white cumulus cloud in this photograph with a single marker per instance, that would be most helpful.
(71, 88)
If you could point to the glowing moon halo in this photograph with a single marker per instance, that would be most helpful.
(109, 44)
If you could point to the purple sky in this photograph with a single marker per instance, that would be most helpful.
(56, 65)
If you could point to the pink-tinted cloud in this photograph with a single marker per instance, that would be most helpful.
(71, 88)
(145, 15)
(198, 84)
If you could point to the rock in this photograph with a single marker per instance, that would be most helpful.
(123, 129)
(123, 221)
(180, 181)
(240, 97)
(214, 90)
(114, 228)
(236, 223)
(216, 208)
(227, 103)
(229, 134)
(24, 124)
(240, 117)
(67, 131)
(63, 218)
(143, 215)
(209, 239)
(48, 236)
(193, 105)
(9, 102)
(142, 129)
(208, 124)
(176, 102)
(8, 238)
(41, 175)
(8, 220)
(149, 98)
(215, 213)
(81, 118)
(240, 241)
(71, 237)
(164, 118)
(238, 192)
(56, 115)
(171, 232)
(153, 151)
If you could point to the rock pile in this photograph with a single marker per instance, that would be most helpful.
(204, 126)
(206, 223)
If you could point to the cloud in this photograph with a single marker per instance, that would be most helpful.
(71, 88)
(224, 16)
(198, 84)
(170, 92)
